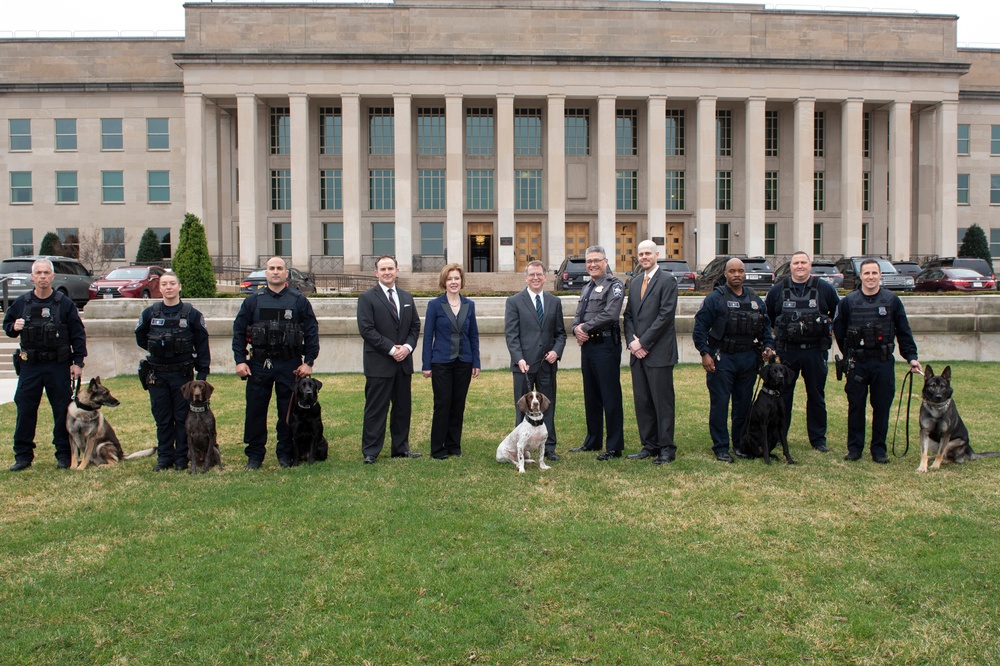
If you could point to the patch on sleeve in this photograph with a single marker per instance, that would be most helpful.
(618, 290)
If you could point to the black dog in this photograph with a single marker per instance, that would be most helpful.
(942, 432)
(766, 421)
(306, 422)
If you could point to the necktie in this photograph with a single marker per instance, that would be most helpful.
(392, 302)
(538, 308)
(642, 292)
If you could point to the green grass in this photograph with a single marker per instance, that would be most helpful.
(466, 562)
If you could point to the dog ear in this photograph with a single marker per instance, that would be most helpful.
(208, 390)
(947, 373)
(544, 402)
(95, 382)
(319, 384)
(928, 372)
(186, 391)
(522, 404)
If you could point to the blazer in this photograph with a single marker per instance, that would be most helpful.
(651, 319)
(438, 331)
(380, 331)
(526, 338)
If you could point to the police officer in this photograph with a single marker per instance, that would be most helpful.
(598, 332)
(281, 329)
(801, 309)
(53, 346)
(174, 335)
(865, 325)
(732, 334)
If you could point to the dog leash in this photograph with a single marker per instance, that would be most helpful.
(899, 408)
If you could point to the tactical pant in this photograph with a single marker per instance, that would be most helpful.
(170, 411)
(733, 379)
(813, 365)
(54, 377)
(875, 380)
(280, 380)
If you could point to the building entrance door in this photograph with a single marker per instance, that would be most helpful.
(674, 242)
(480, 247)
(527, 244)
(624, 246)
(577, 238)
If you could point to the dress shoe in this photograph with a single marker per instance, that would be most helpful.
(642, 455)
(369, 460)
(551, 457)
(582, 448)
(19, 465)
(408, 454)
(181, 466)
(664, 458)
(724, 456)
(852, 456)
(160, 466)
(62, 464)
(444, 457)
(608, 455)
(284, 462)
(740, 454)
(822, 448)
(253, 464)
(881, 459)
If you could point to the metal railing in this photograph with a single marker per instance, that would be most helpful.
(324, 264)
(345, 282)
(429, 263)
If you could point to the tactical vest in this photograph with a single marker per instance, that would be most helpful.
(871, 332)
(276, 332)
(801, 325)
(45, 337)
(743, 324)
(170, 338)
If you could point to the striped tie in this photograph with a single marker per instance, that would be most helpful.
(538, 308)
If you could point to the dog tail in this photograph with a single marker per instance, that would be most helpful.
(985, 454)
(145, 453)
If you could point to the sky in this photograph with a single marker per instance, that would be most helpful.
(978, 23)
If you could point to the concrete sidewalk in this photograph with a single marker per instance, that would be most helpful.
(7, 388)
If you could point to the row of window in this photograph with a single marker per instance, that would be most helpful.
(112, 134)
(965, 143)
(68, 189)
(22, 241)
(964, 189)
(383, 238)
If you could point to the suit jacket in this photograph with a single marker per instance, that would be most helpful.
(526, 338)
(380, 331)
(651, 319)
(438, 333)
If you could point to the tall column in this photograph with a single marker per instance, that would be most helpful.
(351, 180)
(704, 197)
(555, 173)
(851, 174)
(302, 178)
(945, 241)
(505, 179)
(803, 169)
(251, 178)
(900, 180)
(213, 167)
(194, 124)
(606, 176)
(403, 147)
(656, 169)
(754, 185)
(455, 180)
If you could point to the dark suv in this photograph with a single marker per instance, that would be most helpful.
(981, 266)
(891, 278)
(572, 274)
(760, 275)
(679, 268)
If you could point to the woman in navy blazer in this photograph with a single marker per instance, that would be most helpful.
(451, 359)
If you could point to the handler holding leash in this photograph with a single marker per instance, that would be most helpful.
(175, 337)
(866, 323)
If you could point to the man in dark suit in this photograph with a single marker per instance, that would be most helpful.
(652, 345)
(536, 336)
(389, 324)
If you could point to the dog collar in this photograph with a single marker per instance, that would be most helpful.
(535, 422)
(301, 406)
(198, 410)
(83, 407)
(770, 391)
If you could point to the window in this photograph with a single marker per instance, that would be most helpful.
(20, 187)
(994, 189)
(675, 190)
(995, 140)
(65, 133)
(864, 237)
(163, 234)
(479, 131)
(963, 189)
(770, 238)
(111, 134)
(280, 130)
(20, 133)
(961, 235)
(66, 187)
(282, 239)
(626, 136)
(866, 140)
(527, 189)
(381, 132)
(430, 189)
(113, 240)
(527, 131)
(819, 190)
(995, 242)
(963, 139)
(22, 242)
(626, 190)
(281, 189)
(158, 186)
(722, 238)
(577, 126)
(819, 134)
(817, 238)
(675, 132)
(479, 189)
(866, 191)
(382, 189)
(723, 133)
(331, 131)
(432, 239)
(383, 238)
(69, 238)
(333, 239)
(771, 134)
(157, 134)
(723, 190)
(330, 190)
(770, 191)
(430, 132)
(112, 187)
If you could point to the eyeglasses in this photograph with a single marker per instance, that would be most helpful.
(594, 261)
(536, 275)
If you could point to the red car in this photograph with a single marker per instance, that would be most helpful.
(953, 279)
(128, 282)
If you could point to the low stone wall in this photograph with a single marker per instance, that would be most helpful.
(954, 328)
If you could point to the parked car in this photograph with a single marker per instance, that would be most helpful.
(981, 266)
(679, 268)
(304, 282)
(954, 279)
(824, 270)
(572, 274)
(891, 278)
(70, 277)
(128, 282)
(759, 276)
(907, 268)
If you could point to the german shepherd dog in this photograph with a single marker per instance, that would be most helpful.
(766, 421)
(91, 437)
(943, 434)
(306, 421)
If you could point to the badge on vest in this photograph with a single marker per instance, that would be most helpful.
(882, 311)
(812, 303)
(288, 315)
(599, 288)
(753, 305)
(158, 322)
(182, 323)
(790, 305)
(46, 312)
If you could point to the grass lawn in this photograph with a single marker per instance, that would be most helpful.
(464, 561)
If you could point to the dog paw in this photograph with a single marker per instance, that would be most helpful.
(922, 469)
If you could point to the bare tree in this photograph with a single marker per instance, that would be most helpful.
(99, 248)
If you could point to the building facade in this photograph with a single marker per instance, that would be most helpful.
(491, 134)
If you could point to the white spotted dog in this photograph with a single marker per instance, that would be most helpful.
(529, 436)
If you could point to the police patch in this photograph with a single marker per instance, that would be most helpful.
(812, 303)
(599, 288)
(789, 305)
(618, 290)
(288, 315)
(182, 323)
(46, 312)
(158, 322)
(882, 311)
(753, 304)
(733, 304)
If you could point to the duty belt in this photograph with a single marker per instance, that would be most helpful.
(597, 337)
(173, 367)
(881, 353)
(729, 347)
(39, 356)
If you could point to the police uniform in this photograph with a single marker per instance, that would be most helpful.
(282, 333)
(600, 360)
(177, 344)
(866, 328)
(801, 316)
(732, 329)
(52, 338)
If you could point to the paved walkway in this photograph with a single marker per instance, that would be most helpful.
(7, 387)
